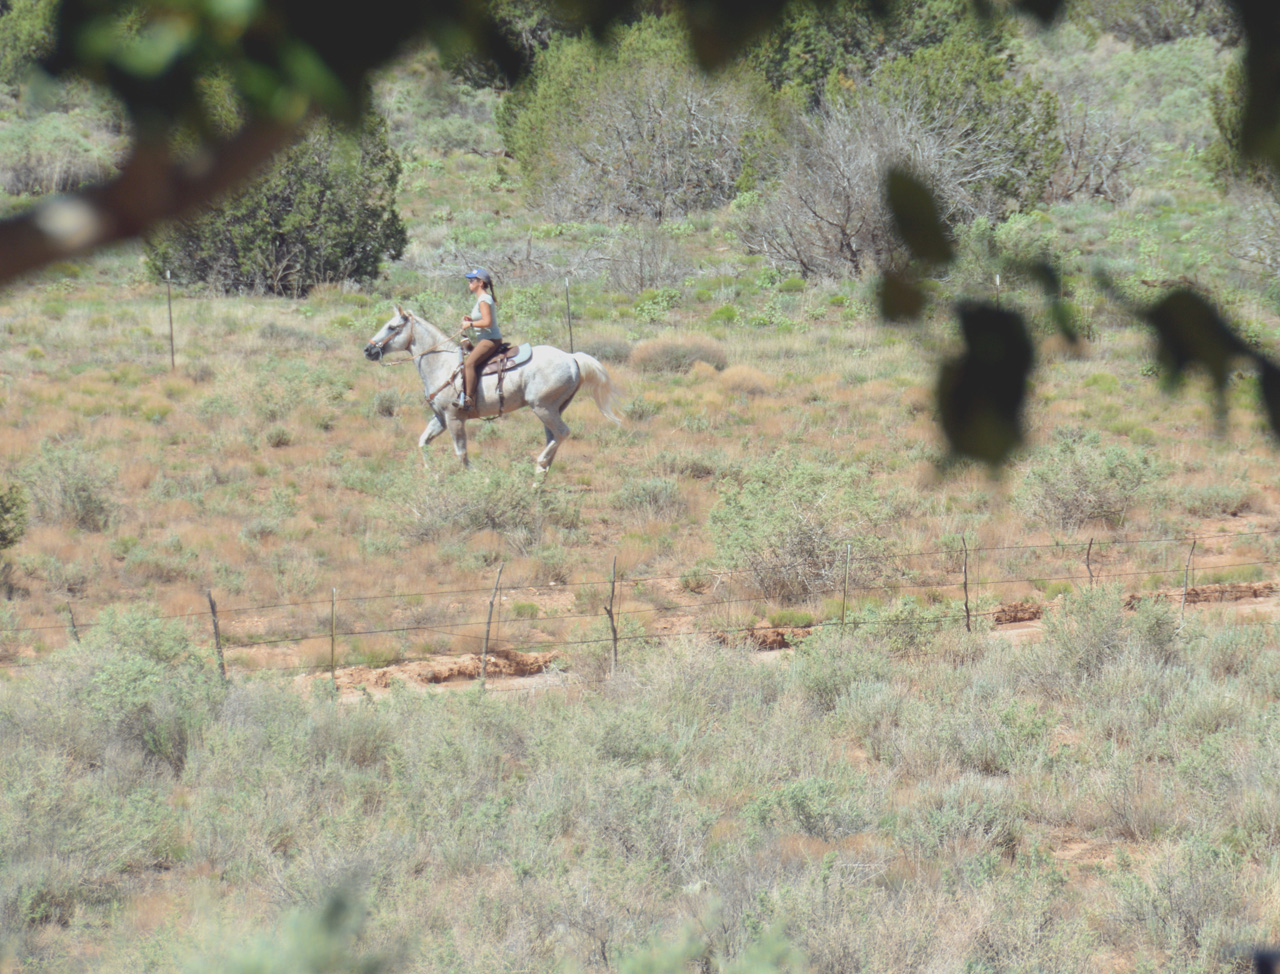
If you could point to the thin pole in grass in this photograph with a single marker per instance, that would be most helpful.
(1186, 579)
(844, 600)
(71, 617)
(217, 638)
(568, 314)
(333, 638)
(168, 290)
(608, 610)
(1088, 563)
(484, 652)
(968, 624)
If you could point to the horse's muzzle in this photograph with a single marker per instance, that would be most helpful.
(373, 352)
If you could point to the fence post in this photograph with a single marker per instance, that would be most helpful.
(484, 652)
(608, 610)
(75, 633)
(333, 637)
(168, 290)
(217, 638)
(844, 599)
(1186, 579)
(568, 314)
(968, 624)
(1088, 562)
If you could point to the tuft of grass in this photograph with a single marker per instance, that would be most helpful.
(677, 355)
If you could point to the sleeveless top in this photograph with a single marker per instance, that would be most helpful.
(478, 334)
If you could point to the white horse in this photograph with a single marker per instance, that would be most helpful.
(546, 383)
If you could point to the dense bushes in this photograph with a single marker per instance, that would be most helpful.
(1148, 22)
(26, 33)
(985, 142)
(324, 213)
(812, 48)
(635, 130)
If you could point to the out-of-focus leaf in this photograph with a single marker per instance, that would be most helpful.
(900, 297)
(1189, 331)
(1269, 382)
(1046, 275)
(915, 217)
(1260, 127)
(1045, 11)
(981, 393)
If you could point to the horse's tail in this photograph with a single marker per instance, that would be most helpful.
(598, 383)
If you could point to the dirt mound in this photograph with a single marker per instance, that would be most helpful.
(765, 637)
(1232, 592)
(444, 669)
(1018, 612)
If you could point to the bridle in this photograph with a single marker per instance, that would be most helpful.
(405, 319)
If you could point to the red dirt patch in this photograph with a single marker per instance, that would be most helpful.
(442, 669)
(764, 637)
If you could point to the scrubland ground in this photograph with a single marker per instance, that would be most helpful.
(897, 793)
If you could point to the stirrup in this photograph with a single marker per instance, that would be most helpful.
(463, 402)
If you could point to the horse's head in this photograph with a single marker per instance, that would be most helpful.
(394, 336)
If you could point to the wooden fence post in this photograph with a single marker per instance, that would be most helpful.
(968, 623)
(844, 599)
(568, 314)
(484, 652)
(1186, 579)
(1088, 562)
(333, 637)
(608, 610)
(75, 633)
(168, 290)
(217, 638)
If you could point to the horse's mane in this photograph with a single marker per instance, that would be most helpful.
(439, 338)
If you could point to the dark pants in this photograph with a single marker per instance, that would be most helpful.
(483, 351)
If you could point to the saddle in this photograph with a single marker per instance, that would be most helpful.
(507, 357)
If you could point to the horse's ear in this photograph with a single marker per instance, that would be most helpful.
(400, 311)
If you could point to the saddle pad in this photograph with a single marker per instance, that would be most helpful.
(512, 361)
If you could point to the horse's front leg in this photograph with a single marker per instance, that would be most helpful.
(434, 429)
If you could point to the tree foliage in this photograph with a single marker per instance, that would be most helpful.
(634, 130)
(324, 212)
(13, 516)
(984, 142)
(815, 45)
(26, 35)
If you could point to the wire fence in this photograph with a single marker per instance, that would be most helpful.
(707, 602)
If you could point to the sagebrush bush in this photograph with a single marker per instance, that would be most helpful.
(634, 130)
(467, 501)
(677, 354)
(67, 483)
(1076, 480)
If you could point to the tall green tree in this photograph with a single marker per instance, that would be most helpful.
(325, 211)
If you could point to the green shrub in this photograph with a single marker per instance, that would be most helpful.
(607, 349)
(26, 34)
(653, 498)
(677, 355)
(67, 484)
(622, 131)
(325, 212)
(13, 516)
(1077, 480)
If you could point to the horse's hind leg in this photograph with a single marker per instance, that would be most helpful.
(557, 433)
(458, 430)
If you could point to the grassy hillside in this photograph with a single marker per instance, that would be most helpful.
(898, 793)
